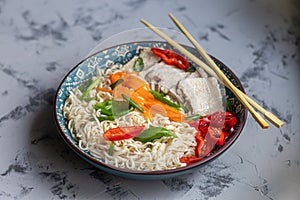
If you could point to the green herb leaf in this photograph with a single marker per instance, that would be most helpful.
(191, 69)
(153, 133)
(83, 87)
(111, 149)
(138, 65)
(91, 86)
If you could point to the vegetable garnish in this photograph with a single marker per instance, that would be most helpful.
(104, 90)
(131, 102)
(92, 85)
(112, 86)
(211, 130)
(153, 133)
(218, 126)
(138, 65)
(111, 109)
(216, 136)
(190, 159)
(105, 107)
(191, 69)
(171, 58)
(122, 133)
(193, 117)
(152, 106)
(85, 85)
(111, 149)
(116, 76)
(162, 99)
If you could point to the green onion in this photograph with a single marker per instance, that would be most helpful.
(113, 109)
(83, 87)
(112, 86)
(111, 149)
(131, 102)
(104, 118)
(194, 117)
(162, 99)
(138, 65)
(89, 88)
(105, 107)
(191, 69)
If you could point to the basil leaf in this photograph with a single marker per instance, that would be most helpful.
(138, 65)
(153, 133)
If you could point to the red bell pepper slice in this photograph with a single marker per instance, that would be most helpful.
(122, 133)
(202, 147)
(223, 120)
(171, 58)
(216, 136)
(204, 123)
(190, 159)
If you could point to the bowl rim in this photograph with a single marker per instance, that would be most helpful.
(101, 164)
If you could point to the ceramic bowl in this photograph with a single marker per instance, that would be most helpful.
(121, 54)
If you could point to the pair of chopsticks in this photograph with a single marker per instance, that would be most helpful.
(216, 72)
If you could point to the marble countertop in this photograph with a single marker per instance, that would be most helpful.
(40, 41)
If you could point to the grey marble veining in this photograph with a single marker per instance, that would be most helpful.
(40, 41)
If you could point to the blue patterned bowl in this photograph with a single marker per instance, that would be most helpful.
(122, 54)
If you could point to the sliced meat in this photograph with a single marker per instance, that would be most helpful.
(201, 95)
(165, 75)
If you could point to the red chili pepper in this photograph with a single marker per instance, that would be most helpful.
(223, 120)
(122, 133)
(190, 159)
(202, 147)
(217, 136)
(204, 123)
(171, 58)
(215, 128)
(200, 143)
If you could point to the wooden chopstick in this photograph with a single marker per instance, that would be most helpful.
(255, 115)
(270, 116)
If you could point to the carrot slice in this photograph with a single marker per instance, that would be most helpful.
(116, 76)
(104, 90)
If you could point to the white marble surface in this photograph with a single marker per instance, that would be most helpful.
(40, 41)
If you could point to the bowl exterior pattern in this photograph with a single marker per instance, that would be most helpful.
(122, 54)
